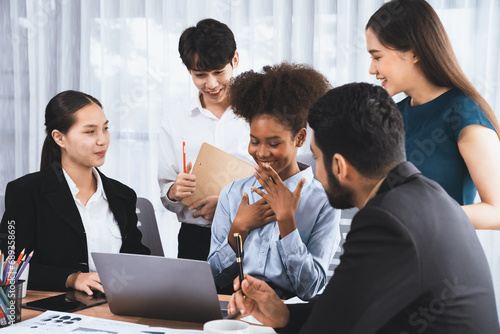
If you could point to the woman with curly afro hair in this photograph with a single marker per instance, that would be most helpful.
(289, 230)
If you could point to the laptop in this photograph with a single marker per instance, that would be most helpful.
(158, 287)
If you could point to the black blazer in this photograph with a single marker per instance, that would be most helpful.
(412, 263)
(40, 209)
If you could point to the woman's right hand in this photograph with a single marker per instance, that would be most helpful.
(183, 186)
(250, 217)
(85, 282)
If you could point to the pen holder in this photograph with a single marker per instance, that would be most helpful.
(10, 303)
(24, 277)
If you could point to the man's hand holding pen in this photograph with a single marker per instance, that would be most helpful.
(184, 185)
(261, 302)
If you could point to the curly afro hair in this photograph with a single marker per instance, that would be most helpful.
(285, 91)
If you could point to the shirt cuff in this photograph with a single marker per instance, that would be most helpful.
(291, 244)
(226, 255)
(174, 206)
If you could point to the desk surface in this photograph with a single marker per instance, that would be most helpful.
(102, 311)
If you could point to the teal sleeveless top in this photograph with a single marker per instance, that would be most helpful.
(431, 134)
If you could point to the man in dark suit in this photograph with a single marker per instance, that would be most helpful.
(412, 262)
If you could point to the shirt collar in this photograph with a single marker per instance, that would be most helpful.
(100, 188)
(397, 176)
(195, 108)
(374, 190)
(74, 189)
(292, 181)
(195, 105)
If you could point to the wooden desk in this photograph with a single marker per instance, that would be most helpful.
(102, 311)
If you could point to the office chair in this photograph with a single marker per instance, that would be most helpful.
(146, 222)
(308, 159)
(345, 217)
(345, 225)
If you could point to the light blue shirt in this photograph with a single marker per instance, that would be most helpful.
(296, 263)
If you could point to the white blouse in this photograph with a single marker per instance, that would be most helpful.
(101, 228)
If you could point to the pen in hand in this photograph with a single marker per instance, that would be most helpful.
(184, 155)
(239, 258)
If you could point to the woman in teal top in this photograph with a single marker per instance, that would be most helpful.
(450, 128)
(432, 131)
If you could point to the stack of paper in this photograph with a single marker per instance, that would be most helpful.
(61, 322)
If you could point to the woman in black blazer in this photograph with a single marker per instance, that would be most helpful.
(43, 209)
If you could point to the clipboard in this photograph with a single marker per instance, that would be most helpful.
(215, 169)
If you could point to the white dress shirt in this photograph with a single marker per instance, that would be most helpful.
(101, 228)
(194, 124)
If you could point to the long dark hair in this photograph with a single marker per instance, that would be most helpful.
(406, 25)
(59, 115)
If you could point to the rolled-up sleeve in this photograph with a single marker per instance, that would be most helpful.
(167, 168)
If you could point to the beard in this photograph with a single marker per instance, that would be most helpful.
(339, 197)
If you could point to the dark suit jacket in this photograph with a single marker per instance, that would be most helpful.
(41, 210)
(412, 263)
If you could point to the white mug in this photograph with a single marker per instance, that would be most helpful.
(226, 326)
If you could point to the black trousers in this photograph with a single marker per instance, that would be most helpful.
(194, 242)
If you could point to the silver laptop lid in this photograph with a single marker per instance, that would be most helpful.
(158, 287)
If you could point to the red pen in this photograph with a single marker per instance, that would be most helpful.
(184, 155)
(14, 268)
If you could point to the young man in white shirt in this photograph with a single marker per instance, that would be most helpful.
(209, 52)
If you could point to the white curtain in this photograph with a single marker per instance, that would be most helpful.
(124, 52)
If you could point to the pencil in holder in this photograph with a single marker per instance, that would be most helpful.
(10, 302)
